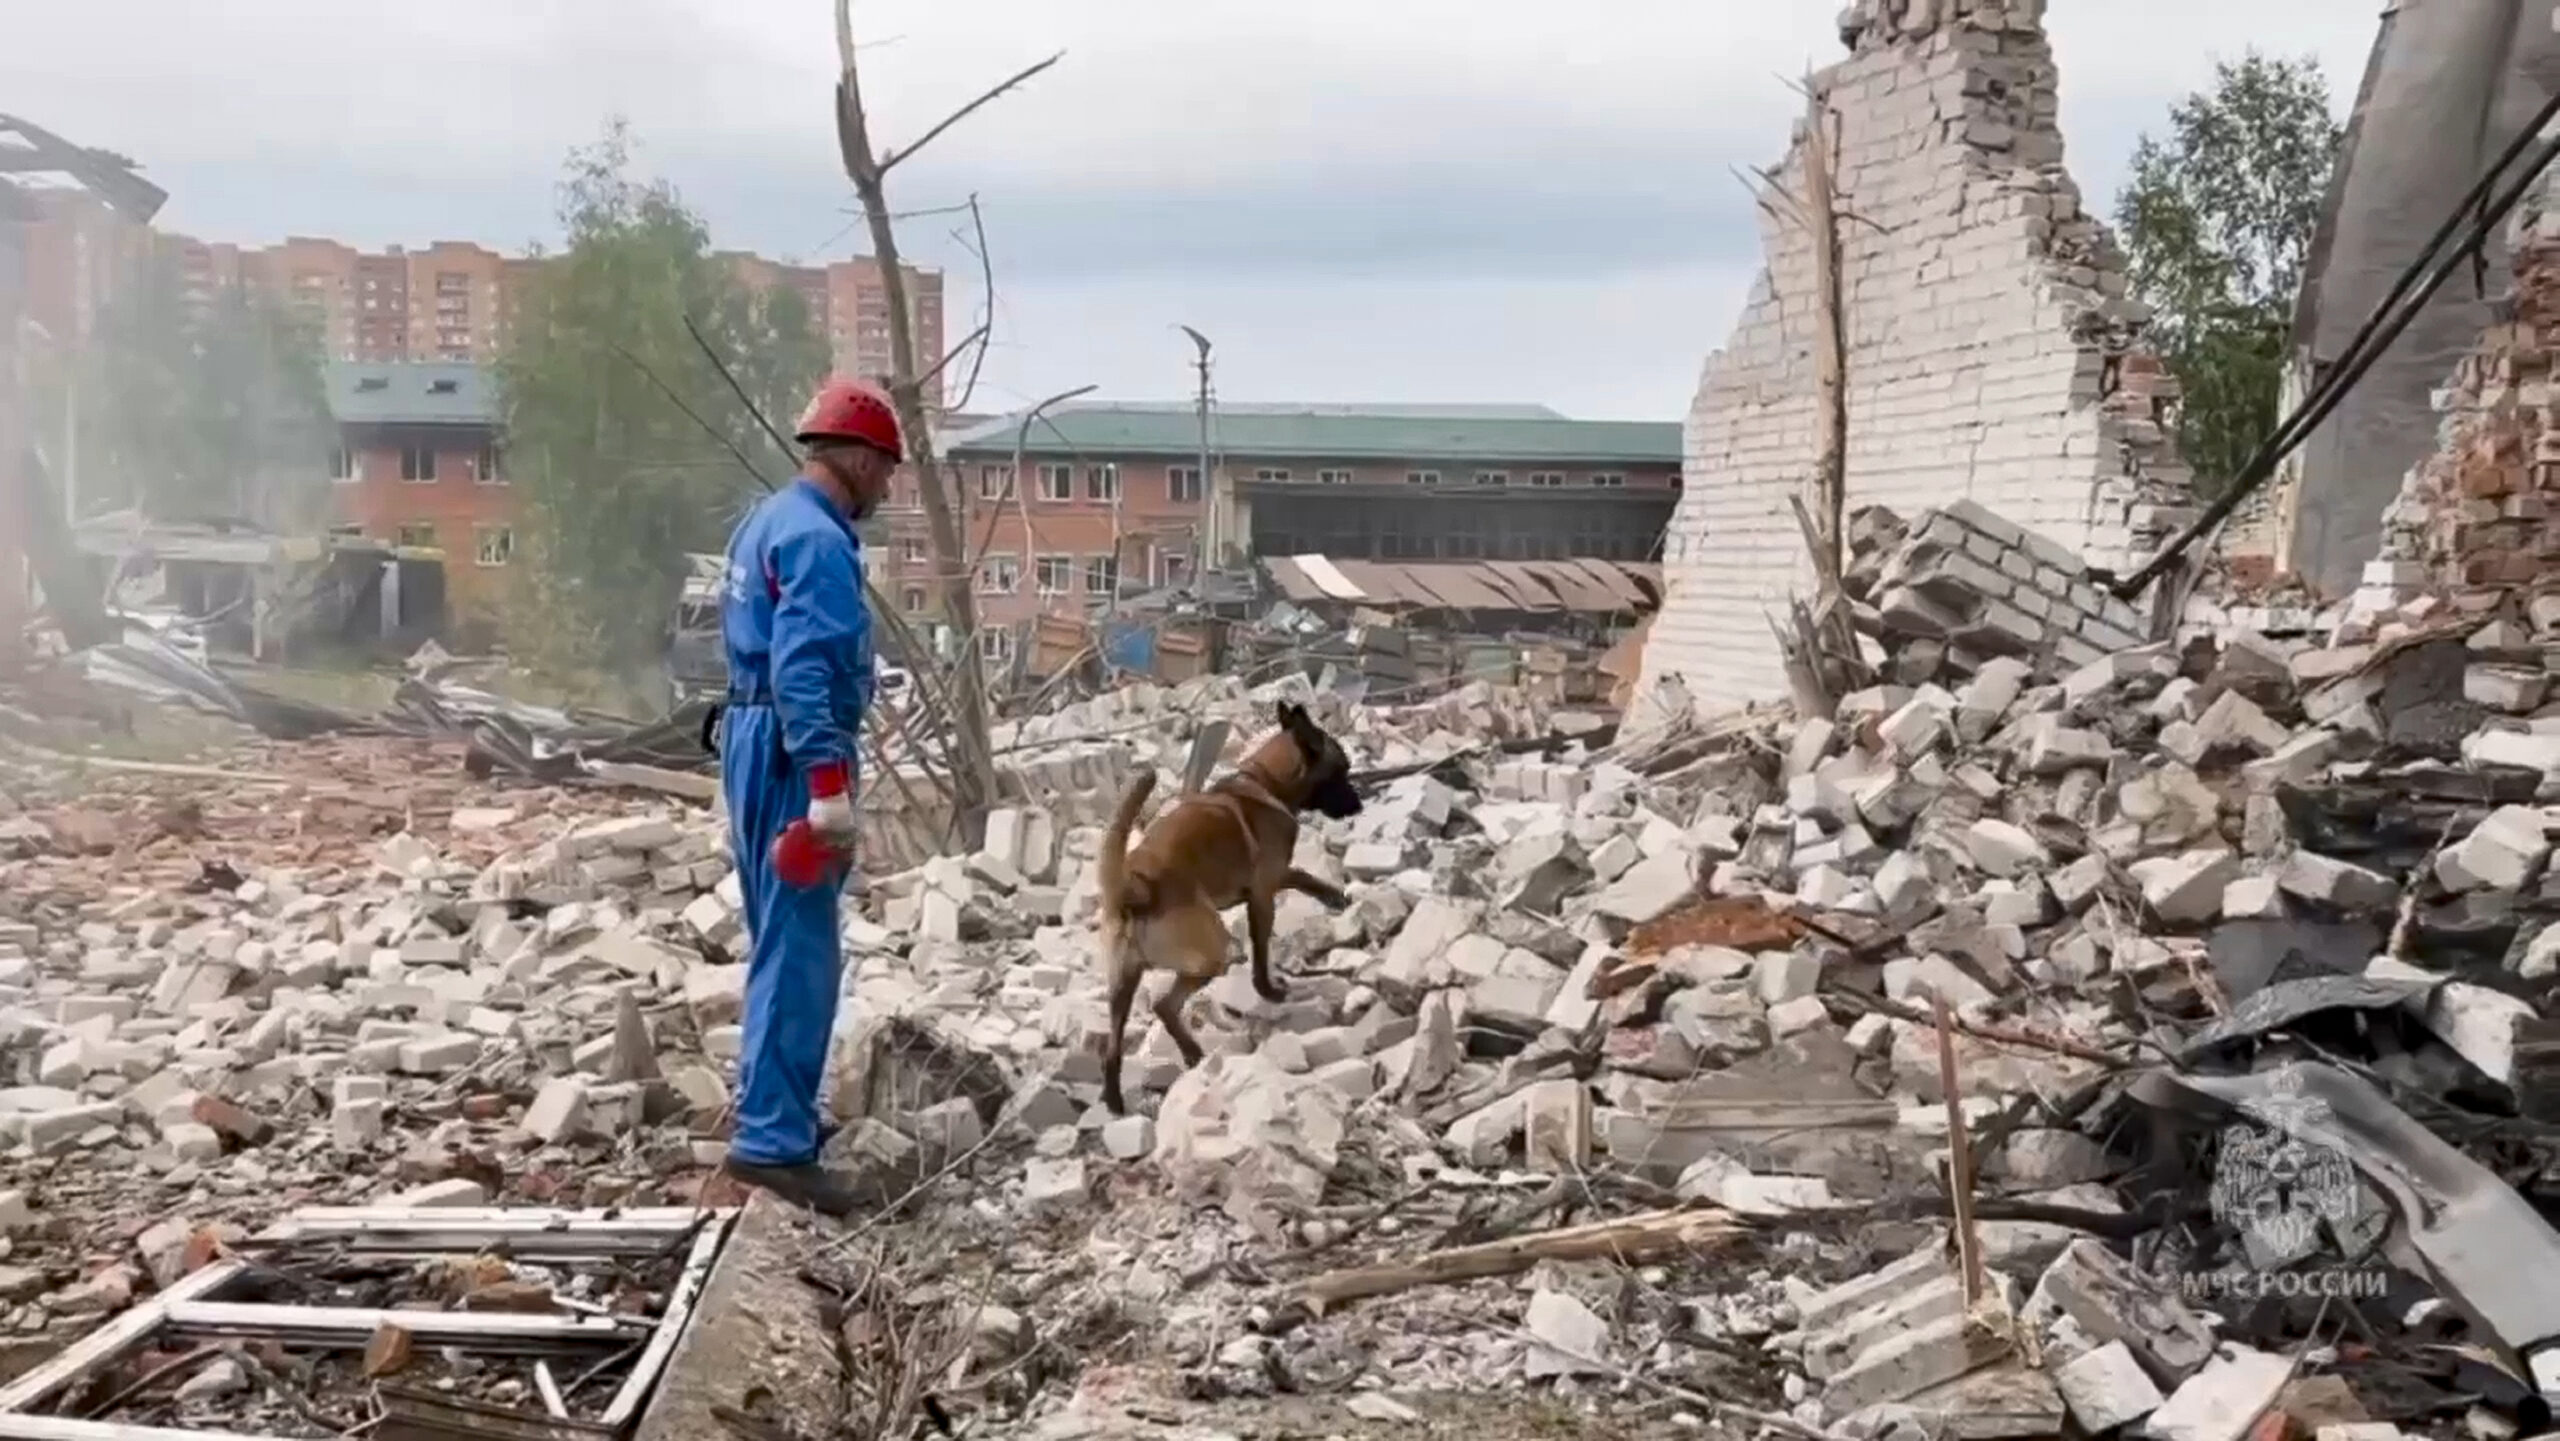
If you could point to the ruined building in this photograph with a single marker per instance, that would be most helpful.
(1991, 353)
(2448, 83)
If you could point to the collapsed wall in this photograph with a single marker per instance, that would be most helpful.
(2477, 522)
(1991, 344)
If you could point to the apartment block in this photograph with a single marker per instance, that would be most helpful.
(1114, 498)
(452, 301)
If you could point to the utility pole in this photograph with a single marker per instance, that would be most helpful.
(1208, 484)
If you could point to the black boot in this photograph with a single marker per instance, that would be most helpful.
(822, 1189)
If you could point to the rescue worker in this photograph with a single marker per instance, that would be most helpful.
(798, 635)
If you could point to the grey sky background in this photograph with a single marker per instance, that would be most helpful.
(1409, 200)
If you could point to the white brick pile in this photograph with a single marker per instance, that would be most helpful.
(1990, 351)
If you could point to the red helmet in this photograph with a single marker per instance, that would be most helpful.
(853, 410)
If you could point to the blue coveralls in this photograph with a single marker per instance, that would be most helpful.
(798, 635)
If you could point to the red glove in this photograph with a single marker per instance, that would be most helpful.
(810, 849)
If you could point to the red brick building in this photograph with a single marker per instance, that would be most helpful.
(1113, 500)
(418, 466)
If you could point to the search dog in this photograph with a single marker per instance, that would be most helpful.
(1228, 845)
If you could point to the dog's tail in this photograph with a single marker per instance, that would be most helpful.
(1121, 893)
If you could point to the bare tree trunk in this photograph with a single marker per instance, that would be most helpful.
(974, 778)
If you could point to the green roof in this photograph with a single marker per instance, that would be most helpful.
(418, 392)
(1313, 432)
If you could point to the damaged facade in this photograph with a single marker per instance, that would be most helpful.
(2445, 86)
(1991, 354)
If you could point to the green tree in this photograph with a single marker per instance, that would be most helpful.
(198, 408)
(619, 482)
(2217, 219)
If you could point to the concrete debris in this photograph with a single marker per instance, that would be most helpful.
(1701, 961)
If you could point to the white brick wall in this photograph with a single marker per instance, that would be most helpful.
(1986, 329)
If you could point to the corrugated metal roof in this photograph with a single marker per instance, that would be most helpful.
(422, 392)
(1319, 432)
(1589, 587)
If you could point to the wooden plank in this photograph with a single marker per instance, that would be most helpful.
(679, 1311)
(352, 1326)
(1632, 1240)
(1831, 404)
(115, 1338)
(1716, 1115)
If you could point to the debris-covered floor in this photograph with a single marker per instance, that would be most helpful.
(1615, 1099)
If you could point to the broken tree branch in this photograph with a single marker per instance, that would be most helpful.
(1980, 1031)
(987, 301)
(974, 778)
(975, 337)
(1633, 1240)
(695, 416)
(711, 353)
(890, 160)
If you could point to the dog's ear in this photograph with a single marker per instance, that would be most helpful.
(1295, 720)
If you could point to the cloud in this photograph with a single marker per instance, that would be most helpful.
(1417, 199)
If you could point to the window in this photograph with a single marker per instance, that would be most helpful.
(1333, 477)
(995, 647)
(911, 600)
(1102, 575)
(1102, 482)
(1493, 477)
(1057, 481)
(1173, 568)
(418, 464)
(1182, 484)
(1271, 476)
(1422, 477)
(1610, 479)
(1051, 573)
(417, 535)
(1547, 479)
(999, 575)
(991, 482)
(484, 467)
(342, 465)
(911, 550)
(493, 544)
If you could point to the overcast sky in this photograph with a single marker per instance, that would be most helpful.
(1412, 200)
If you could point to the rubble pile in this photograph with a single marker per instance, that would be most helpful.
(1704, 968)
(1624, 1060)
(345, 971)
(1960, 586)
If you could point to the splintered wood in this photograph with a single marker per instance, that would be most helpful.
(1632, 1240)
(1742, 923)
